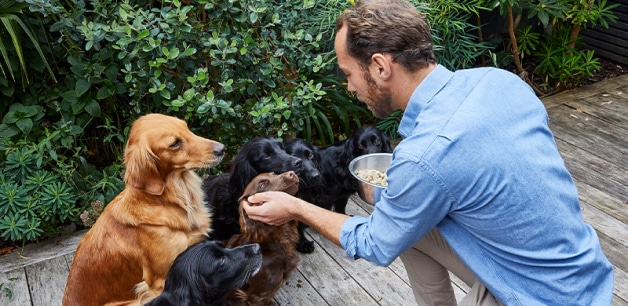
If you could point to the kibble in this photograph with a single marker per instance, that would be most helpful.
(373, 176)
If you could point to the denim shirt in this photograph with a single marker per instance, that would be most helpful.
(479, 162)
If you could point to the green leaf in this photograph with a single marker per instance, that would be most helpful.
(10, 117)
(7, 131)
(143, 34)
(81, 87)
(253, 17)
(174, 53)
(189, 94)
(189, 51)
(102, 93)
(93, 108)
(25, 125)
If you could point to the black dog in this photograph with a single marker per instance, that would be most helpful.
(338, 183)
(258, 155)
(205, 272)
(309, 181)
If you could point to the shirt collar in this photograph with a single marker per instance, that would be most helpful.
(427, 89)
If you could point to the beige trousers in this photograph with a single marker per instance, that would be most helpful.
(428, 263)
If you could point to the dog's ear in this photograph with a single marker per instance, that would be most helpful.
(141, 169)
(386, 147)
(241, 175)
(255, 230)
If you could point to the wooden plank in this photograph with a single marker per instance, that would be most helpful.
(585, 91)
(46, 281)
(621, 287)
(14, 291)
(38, 252)
(68, 259)
(606, 204)
(334, 285)
(298, 291)
(589, 172)
(615, 252)
(369, 275)
(612, 34)
(577, 157)
(606, 106)
(589, 133)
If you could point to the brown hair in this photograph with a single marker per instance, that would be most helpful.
(395, 27)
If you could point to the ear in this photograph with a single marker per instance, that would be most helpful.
(242, 174)
(387, 148)
(381, 65)
(141, 170)
(252, 230)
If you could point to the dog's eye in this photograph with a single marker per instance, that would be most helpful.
(360, 146)
(310, 156)
(262, 185)
(377, 142)
(177, 143)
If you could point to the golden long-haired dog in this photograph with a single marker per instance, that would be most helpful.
(125, 257)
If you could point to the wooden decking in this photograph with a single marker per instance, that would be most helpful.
(590, 125)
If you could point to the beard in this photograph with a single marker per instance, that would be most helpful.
(379, 100)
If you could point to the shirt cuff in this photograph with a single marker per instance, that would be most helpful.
(348, 235)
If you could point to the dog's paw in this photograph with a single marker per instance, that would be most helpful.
(305, 246)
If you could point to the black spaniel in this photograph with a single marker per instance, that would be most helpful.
(206, 272)
(309, 182)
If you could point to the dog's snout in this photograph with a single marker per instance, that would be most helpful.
(219, 149)
(291, 174)
(315, 175)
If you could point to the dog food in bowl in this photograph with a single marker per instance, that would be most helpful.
(367, 190)
(373, 176)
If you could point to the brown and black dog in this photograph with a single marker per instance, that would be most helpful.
(278, 244)
(125, 257)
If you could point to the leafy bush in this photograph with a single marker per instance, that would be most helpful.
(233, 70)
(560, 65)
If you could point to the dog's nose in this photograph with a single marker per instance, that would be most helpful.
(219, 149)
(291, 174)
(315, 175)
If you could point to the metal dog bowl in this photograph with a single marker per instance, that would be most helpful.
(368, 191)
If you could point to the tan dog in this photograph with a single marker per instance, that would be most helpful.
(125, 257)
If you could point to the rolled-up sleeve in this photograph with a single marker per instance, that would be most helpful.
(347, 235)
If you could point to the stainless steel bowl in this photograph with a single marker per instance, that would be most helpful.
(367, 191)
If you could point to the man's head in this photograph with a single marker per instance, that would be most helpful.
(374, 35)
(394, 27)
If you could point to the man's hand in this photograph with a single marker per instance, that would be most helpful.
(272, 207)
(277, 208)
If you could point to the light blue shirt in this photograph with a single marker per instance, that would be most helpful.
(479, 162)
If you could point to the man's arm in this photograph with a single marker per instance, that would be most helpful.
(276, 208)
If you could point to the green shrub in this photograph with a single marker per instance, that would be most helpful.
(559, 64)
(233, 70)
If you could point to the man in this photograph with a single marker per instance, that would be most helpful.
(476, 187)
